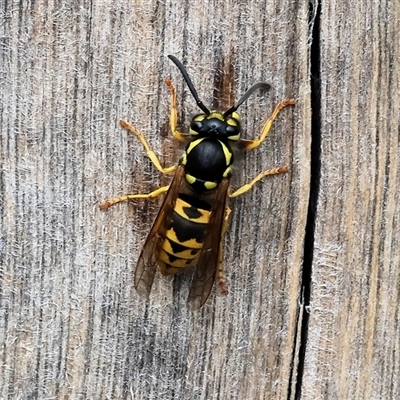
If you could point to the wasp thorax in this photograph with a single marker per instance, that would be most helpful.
(207, 161)
(217, 126)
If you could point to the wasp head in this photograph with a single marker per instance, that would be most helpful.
(213, 123)
(216, 125)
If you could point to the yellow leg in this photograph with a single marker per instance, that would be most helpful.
(221, 279)
(174, 113)
(252, 144)
(149, 152)
(151, 195)
(249, 185)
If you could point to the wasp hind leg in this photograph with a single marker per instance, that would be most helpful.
(245, 188)
(150, 153)
(151, 195)
(221, 278)
(252, 144)
(182, 137)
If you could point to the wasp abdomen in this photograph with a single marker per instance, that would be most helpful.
(184, 236)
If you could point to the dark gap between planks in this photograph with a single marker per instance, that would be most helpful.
(315, 14)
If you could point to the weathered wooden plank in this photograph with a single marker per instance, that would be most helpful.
(71, 323)
(353, 341)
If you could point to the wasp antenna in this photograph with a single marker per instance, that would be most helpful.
(249, 92)
(189, 83)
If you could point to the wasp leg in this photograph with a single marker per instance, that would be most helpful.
(150, 153)
(182, 137)
(252, 144)
(151, 195)
(221, 278)
(249, 185)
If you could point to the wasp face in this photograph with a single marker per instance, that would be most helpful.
(216, 125)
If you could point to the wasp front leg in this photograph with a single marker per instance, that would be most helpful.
(182, 137)
(221, 278)
(150, 153)
(252, 144)
(151, 195)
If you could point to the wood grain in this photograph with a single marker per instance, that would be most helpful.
(353, 340)
(72, 325)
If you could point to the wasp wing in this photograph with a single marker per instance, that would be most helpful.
(146, 266)
(204, 276)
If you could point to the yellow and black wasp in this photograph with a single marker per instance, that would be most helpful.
(193, 217)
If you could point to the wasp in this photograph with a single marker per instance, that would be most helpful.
(193, 217)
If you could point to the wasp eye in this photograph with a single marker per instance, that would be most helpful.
(196, 126)
(231, 130)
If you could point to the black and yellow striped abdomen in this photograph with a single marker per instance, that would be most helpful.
(184, 237)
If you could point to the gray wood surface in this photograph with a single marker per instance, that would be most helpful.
(353, 344)
(72, 325)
